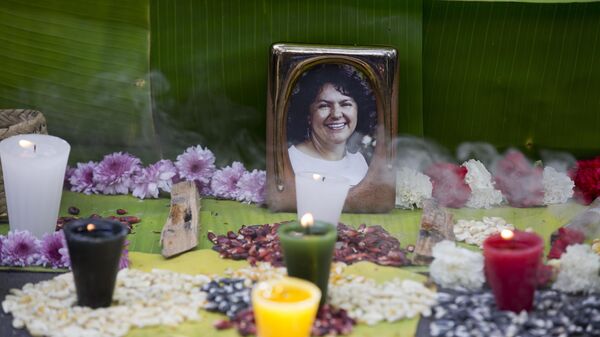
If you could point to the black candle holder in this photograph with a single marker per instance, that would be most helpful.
(95, 247)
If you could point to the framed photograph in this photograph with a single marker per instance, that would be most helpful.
(332, 110)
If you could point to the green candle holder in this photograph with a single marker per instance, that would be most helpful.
(308, 253)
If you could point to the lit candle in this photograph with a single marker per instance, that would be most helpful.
(308, 250)
(285, 307)
(33, 168)
(512, 260)
(321, 195)
(307, 221)
(95, 247)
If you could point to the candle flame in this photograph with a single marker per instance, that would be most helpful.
(307, 220)
(507, 234)
(24, 143)
(90, 227)
(316, 176)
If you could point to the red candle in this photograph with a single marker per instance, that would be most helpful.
(512, 260)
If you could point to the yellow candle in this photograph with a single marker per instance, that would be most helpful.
(285, 307)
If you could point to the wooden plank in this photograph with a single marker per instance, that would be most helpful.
(180, 232)
(437, 225)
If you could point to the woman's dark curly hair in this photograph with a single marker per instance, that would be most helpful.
(347, 80)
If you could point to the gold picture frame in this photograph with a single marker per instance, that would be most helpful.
(377, 66)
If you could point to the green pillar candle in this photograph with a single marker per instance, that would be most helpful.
(308, 251)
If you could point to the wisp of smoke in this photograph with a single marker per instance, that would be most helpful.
(418, 153)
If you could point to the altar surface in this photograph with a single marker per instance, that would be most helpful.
(220, 216)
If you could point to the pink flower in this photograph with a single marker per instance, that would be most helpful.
(586, 176)
(449, 186)
(198, 165)
(114, 173)
(68, 173)
(20, 248)
(521, 183)
(224, 181)
(251, 187)
(82, 178)
(154, 177)
(54, 250)
(124, 260)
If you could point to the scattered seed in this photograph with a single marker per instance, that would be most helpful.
(141, 299)
(127, 221)
(329, 322)
(131, 219)
(260, 243)
(554, 314)
(227, 295)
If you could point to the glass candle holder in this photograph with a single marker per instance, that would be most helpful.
(95, 247)
(285, 307)
(308, 252)
(33, 169)
(322, 196)
(512, 260)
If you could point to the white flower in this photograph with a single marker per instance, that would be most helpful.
(558, 187)
(579, 267)
(456, 268)
(479, 179)
(366, 140)
(412, 188)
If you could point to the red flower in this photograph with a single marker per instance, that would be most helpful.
(586, 176)
(449, 187)
(520, 182)
(563, 238)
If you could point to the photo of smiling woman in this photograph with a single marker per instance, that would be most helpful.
(331, 122)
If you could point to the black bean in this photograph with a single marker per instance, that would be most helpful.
(555, 314)
(73, 210)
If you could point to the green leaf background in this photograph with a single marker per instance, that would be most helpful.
(154, 76)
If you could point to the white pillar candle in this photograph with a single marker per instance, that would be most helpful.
(33, 168)
(321, 195)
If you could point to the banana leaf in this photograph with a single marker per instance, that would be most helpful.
(513, 74)
(84, 64)
(532, 1)
(209, 63)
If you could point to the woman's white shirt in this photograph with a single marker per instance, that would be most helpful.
(352, 167)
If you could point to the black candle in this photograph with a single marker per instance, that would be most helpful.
(95, 247)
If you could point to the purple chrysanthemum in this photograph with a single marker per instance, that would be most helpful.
(124, 260)
(224, 181)
(20, 248)
(68, 173)
(152, 178)
(167, 174)
(251, 186)
(54, 250)
(113, 175)
(198, 165)
(82, 178)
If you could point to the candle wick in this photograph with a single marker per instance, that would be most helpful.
(34, 148)
(307, 230)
